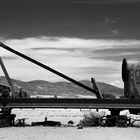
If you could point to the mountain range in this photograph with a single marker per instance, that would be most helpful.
(62, 89)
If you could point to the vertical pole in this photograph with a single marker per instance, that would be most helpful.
(7, 76)
(95, 87)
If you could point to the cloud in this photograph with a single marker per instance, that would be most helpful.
(115, 32)
(76, 57)
(108, 20)
(45, 42)
(128, 49)
(100, 1)
(51, 47)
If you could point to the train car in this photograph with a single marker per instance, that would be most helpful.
(131, 79)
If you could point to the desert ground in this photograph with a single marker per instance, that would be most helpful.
(64, 133)
(69, 133)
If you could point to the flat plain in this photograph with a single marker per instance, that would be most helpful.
(69, 133)
(63, 133)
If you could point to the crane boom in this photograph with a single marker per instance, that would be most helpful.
(7, 76)
(50, 69)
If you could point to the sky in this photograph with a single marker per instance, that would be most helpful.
(80, 38)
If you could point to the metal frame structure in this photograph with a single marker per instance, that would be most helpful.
(70, 103)
(51, 70)
(66, 102)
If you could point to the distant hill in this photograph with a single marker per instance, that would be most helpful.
(65, 89)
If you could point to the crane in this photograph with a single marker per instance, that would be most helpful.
(96, 92)
(7, 77)
(6, 91)
(130, 76)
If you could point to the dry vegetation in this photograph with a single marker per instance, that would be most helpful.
(92, 119)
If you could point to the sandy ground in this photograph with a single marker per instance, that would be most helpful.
(63, 133)
(69, 133)
(62, 115)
